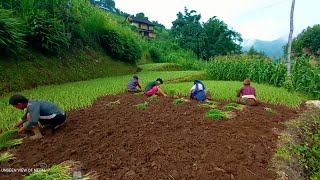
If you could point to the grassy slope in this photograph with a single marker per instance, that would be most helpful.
(41, 70)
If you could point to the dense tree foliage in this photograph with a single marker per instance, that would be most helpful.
(308, 40)
(188, 32)
(220, 39)
(206, 40)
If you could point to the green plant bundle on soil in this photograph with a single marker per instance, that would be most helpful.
(180, 101)
(270, 110)
(139, 94)
(210, 105)
(218, 114)
(7, 139)
(5, 157)
(233, 106)
(142, 105)
(153, 98)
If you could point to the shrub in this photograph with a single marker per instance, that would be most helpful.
(46, 34)
(121, 46)
(11, 34)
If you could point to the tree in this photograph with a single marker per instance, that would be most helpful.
(220, 39)
(141, 15)
(308, 41)
(188, 33)
(253, 51)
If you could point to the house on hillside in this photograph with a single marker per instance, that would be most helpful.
(145, 27)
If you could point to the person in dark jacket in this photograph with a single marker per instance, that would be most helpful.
(39, 112)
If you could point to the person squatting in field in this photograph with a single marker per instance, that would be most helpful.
(199, 91)
(247, 94)
(153, 87)
(39, 112)
(133, 83)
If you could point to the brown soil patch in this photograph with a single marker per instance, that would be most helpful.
(163, 141)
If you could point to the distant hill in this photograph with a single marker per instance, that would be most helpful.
(271, 48)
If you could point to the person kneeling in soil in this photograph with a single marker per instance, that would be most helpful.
(199, 92)
(39, 112)
(132, 85)
(153, 87)
(247, 94)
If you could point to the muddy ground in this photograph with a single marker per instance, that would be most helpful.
(163, 141)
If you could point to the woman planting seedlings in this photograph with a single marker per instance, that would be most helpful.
(199, 92)
(39, 112)
(247, 94)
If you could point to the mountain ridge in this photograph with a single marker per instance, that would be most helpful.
(272, 49)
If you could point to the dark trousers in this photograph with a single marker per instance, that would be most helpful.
(58, 119)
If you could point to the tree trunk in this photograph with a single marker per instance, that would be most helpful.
(290, 39)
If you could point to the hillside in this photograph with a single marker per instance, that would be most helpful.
(271, 48)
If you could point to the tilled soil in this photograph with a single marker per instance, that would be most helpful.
(163, 141)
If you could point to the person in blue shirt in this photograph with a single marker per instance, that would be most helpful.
(199, 92)
(39, 112)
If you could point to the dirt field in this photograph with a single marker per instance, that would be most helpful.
(163, 141)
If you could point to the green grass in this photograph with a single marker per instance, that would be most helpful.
(142, 105)
(225, 90)
(233, 106)
(161, 67)
(42, 70)
(81, 94)
(218, 114)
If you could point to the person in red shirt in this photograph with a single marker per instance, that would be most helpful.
(248, 94)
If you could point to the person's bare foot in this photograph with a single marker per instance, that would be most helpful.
(35, 137)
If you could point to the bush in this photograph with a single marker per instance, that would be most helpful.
(46, 34)
(11, 34)
(121, 46)
(155, 54)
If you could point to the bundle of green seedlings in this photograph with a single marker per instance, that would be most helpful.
(180, 101)
(270, 110)
(142, 105)
(63, 171)
(218, 114)
(233, 106)
(5, 157)
(210, 105)
(153, 98)
(7, 139)
(139, 93)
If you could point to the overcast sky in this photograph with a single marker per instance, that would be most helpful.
(254, 19)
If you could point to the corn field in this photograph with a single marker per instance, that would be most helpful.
(305, 78)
